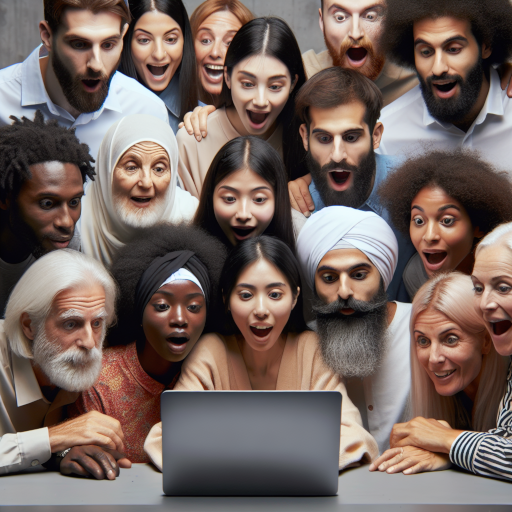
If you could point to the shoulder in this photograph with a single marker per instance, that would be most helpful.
(11, 73)
(209, 346)
(316, 62)
(401, 320)
(410, 98)
(113, 359)
(307, 341)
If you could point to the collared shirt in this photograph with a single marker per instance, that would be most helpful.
(393, 80)
(488, 453)
(408, 125)
(25, 414)
(384, 165)
(172, 99)
(22, 92)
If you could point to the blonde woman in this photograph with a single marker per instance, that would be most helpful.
(458, 378)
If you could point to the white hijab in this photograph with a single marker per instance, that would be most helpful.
(340, 227)
(103, 231)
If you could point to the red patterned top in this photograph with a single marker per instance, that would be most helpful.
(125, 392)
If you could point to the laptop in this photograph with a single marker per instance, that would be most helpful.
(250, 443)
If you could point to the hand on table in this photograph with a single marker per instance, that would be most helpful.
(410, 460)
(93, 461)
(195, 121)
(300, 198)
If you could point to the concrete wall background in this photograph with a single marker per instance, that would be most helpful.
(19, 19)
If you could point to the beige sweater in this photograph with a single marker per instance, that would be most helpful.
(216, 363)
(196, 157)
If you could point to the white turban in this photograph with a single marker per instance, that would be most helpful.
(340, 227)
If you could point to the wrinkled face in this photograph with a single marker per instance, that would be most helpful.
(174, 319)
(345, 273)
(157, 49)
(449, 64)
(47, 207)
(140, 183)
(211, 45)
(352, 32)
(244, 205)
(440, 230)
(492, 280)
(86, 50)
(261, 304)
(260, 87)
(340, 153)
(451, 356)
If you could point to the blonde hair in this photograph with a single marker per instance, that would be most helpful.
(34, 293)
(235, 7)
(451, 294)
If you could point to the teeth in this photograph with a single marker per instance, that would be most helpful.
(261, 327)
(214, 67)
(444, 374)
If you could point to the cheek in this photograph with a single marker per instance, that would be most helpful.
(459, 240)
(278, 101)
(335, 32)
(197, 323)
(264, 214)
(201, 51)
(176, 51)
(161, 183)
(139, 54)
(123, 183)
(326, 293)
(416, 234)
(240, 312)
(222, 211)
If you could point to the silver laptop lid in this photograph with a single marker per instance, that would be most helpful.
(251, 442)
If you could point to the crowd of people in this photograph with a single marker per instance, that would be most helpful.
(192, 204)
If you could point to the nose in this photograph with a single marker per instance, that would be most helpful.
(145, 180)
(177, 316)
(243, 213)
(64, 221)
(261, 100)
(487, 301)
(260, 309)
(158, 50)
(216, 51)
(95, 62)
(436, 355)
(440, 64)
(431, 234)
(339, 150)
(344, 290)
(356, 31)
(87, 337)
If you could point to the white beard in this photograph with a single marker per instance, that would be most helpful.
(76, 369)
(140, 217)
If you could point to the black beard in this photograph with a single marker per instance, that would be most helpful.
(357, 194)
(72, 86)
(353, 345)
(454, 110)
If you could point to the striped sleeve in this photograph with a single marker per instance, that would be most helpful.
(488, 453)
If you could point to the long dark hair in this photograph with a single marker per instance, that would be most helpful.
(187, 69)
(273, 37)
(278, 254)
(260, 157)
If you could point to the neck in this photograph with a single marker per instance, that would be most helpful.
(235, 120)
(466, 123)
(391, 311)
(155, 366)
(49, 390)
(12, 249)
(471, 390)
(466, 265)
(53, 88)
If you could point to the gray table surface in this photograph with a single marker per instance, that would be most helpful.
(140, 487)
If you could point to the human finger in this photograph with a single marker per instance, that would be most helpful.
(387, 455)
(72, 467)
(405, 464)
(124, 463)
(297, 200)
(90, 465)
(107, 463)
(203, 119)
(392, 460)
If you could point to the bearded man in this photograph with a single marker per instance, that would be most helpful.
(72, 77)
(50, 350)
(348, 258)
(453, 47)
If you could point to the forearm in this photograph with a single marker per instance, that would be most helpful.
(23, 450)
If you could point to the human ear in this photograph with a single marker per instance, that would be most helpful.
(303, 130)
(294, 83)
(227, 78)
(27, 327)
(46, 34)
(296, 297)
(377, 135)
(486, 51)
(321, 20)
(124, 30)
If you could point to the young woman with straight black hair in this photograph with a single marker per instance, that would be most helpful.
(159, 52)
(245, 194)
(263, 71)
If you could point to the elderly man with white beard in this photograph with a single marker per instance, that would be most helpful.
(50, 350)
(348, 258)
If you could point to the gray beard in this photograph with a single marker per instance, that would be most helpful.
(143, 217)
(353, 345)
(76, 369)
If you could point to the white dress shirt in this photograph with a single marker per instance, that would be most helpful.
(24, 413)
(382, 397)
(22, 92)
(408, 125)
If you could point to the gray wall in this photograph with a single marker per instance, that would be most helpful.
(19, 19)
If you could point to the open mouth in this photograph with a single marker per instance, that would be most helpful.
(91, 85)
(257, 119)
(357, 55)
(435, 259)
(61, 244)
(445, 89)
(261, 331)
(444, 375)
(141, 201)
(347, 311)
(340, 177)
(501, 327)
(177, 340)
(157, 70)
(241, 233)
(214, 71)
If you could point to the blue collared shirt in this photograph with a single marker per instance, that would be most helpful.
(22, 92)
(385, 165)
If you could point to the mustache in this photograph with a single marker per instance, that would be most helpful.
(360, 307)
(349, 42)
(444, 76)
(333, 166)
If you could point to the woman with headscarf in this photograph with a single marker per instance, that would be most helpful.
(168, 281)
(135, 186)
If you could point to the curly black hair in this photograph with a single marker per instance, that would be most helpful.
(491, 23)
(24, 143)
(484, 192)
(134, 258)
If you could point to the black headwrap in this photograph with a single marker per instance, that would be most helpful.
(164, 267)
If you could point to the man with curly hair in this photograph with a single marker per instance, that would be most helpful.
(453, 47)
(43, 168)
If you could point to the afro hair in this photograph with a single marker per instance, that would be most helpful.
(483, 191)
(491, 23)
(134, 258)
(24, 143)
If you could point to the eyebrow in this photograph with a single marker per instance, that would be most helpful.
(150, 33)
(263, 187)
(349, 130)
(449, 40)
(269, 78)
(56, 196)
(353, 267)
(74, 313)
(71, 37)
(442, 209)
(252, 287)
(337, 6)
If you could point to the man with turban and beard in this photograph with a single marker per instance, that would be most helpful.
(339, 111)
(72, 76)
(347, 259)
(453, 46)
(50, 350)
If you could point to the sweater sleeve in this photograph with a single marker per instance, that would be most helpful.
(188, 166)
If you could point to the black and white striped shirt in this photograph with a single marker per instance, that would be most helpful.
(488, 453)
